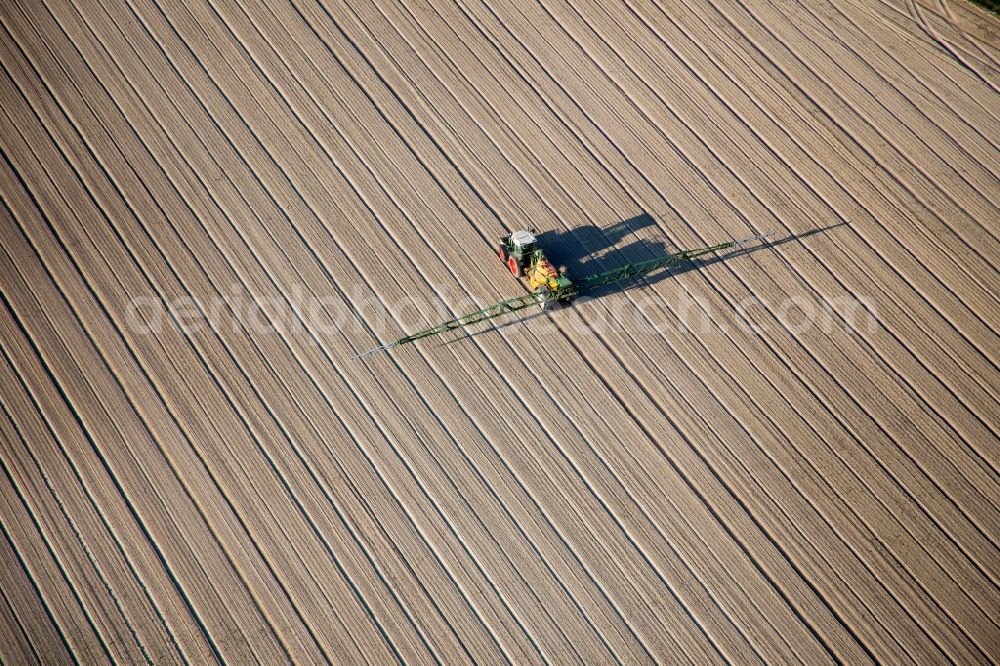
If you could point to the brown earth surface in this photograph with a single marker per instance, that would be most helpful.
(786, 454)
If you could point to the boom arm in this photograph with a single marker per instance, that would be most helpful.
(643, 267)
(498, 310)
(586, 284)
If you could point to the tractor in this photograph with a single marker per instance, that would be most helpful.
(524, 258)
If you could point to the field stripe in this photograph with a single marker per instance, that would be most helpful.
(52, 622)
(15, 641)
(159, 647)
(49, 533)
(166, 458)
(314, 526)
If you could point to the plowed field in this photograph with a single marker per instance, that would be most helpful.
(787, 453)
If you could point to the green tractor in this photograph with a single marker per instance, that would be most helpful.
(517, 249)
(520, 251)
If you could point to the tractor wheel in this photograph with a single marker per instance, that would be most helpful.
(514, 265)
(502, 251)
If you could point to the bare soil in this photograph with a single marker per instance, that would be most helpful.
(784, 454)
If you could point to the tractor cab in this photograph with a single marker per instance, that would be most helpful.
(523, 241)
(517, 250)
